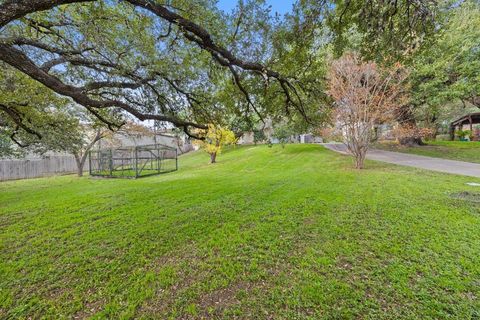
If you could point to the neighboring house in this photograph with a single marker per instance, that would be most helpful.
(180, 142)
(268, 131)
(248, 137)
(310, 138)
(466, 122)
(381, 132)
(384, 132)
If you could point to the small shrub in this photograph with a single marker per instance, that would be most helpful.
(408, 132)
(464, 134)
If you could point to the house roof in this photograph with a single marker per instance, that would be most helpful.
(466, 119)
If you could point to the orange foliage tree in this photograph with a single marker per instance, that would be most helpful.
(365, 94)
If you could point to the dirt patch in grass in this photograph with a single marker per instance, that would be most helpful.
(215, 302)
(89, 309)
(467, 196)
(90, 306)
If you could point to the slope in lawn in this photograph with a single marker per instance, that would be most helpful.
(265, 233)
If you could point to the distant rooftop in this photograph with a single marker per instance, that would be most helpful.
(471, 118)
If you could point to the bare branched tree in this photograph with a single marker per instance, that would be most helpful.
(365, 94)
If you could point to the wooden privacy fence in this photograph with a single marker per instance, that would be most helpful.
(13, 169)
(34, 168)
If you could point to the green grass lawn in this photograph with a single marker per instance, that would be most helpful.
(266, 233)
(455, 150)
(144, 169)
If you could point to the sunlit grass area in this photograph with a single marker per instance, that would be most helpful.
(265, 233)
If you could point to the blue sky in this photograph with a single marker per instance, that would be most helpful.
(280, 6)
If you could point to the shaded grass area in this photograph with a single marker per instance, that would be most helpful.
(455, 150)
(290, 233)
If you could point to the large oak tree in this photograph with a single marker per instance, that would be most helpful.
(141, 57)
(186, 62)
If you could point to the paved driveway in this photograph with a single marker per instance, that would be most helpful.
(411, 160)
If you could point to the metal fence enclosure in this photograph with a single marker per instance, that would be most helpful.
(133, 162)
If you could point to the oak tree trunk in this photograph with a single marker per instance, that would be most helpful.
(80, 164)
(80, 170)
(406, 116)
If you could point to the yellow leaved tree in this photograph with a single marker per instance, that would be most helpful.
(216, 138)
